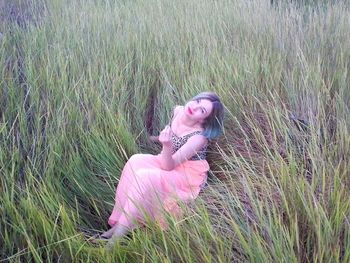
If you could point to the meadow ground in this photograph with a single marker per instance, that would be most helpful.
(84, 83)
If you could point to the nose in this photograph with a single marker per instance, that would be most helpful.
(196, 108)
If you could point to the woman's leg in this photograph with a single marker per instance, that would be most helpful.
(109, 233)
(129, 179)
(119, 231)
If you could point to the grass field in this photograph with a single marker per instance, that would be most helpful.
(84, 83)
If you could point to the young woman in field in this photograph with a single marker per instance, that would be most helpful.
(150, 184)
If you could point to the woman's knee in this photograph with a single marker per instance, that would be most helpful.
(133, 162)
(135, 158)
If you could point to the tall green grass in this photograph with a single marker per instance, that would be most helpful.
(84, 83)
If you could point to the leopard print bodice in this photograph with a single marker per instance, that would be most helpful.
(178, 142)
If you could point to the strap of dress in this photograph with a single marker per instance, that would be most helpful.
(192, 133)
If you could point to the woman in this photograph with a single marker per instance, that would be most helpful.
(150, 183)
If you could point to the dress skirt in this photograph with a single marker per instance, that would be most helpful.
(146, 191)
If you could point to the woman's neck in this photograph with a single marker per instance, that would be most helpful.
(186, 121)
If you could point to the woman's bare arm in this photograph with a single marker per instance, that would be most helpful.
(169, 161)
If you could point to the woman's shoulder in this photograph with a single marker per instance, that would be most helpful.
(197, 138)
(177, 109)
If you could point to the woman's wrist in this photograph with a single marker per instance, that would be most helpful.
(166, 159)
(166, 150)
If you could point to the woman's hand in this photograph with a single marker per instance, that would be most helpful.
(166, 160)
(165, 137)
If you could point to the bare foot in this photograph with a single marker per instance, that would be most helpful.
(109, 233)
(98, 238)
(110, 243)
(118, 233)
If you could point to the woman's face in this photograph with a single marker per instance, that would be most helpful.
(199, 109)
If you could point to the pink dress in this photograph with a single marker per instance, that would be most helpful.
(146, 191)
